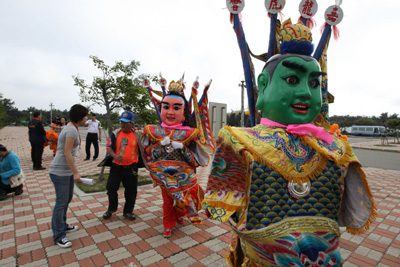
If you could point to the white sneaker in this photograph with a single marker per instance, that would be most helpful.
(71, 228)
(64, 243)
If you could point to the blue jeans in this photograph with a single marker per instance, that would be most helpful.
(64, 186)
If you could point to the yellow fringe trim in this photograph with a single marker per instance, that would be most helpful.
(290, 178)
(345, 158)
(223, 205)
(187, 140)
(373, 215)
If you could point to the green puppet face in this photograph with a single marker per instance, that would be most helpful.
(293, 95)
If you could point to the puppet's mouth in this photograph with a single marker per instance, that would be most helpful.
(300, 108)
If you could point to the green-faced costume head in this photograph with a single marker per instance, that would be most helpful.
(290, 83)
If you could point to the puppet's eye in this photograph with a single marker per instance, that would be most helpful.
(292, 80)
(314, 83)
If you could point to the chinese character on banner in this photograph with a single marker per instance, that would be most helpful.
(274, 6)
(308, 8)
(333, 15)
(235, 6)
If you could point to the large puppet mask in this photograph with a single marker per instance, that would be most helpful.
(172, 110)
(293, 94)
(290, 84)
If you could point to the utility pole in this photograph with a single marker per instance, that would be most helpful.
(242, 109)
(51, 113)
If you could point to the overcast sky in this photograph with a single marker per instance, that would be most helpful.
(44, 43)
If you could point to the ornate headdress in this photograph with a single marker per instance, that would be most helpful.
(289, 38)
(295, 38)
(176, 87)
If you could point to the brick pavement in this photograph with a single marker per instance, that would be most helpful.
(26, 237)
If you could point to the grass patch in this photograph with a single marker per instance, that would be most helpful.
(101, 186)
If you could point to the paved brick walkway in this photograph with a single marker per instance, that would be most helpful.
(26, 237)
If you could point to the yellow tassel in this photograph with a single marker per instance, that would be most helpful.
(339, 162)
(223, 205)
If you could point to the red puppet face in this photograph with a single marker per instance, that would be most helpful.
(172, 110)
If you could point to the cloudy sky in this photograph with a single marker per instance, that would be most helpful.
(44, 43)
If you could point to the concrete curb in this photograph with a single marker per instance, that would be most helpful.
(376, 149)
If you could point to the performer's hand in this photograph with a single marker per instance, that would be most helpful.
(165, 141)
(177, 145)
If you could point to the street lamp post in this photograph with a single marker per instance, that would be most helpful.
(30, 115)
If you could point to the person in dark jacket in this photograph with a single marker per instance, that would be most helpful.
(37, 138)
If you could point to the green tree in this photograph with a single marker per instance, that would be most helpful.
(233, 118)
(364, 121)
(394, 125)
(12, 114)
(383, 118)
(118, 88)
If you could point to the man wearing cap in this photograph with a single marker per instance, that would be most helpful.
(93, 136)
(123, 147)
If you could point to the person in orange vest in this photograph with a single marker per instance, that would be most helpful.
(122, 146)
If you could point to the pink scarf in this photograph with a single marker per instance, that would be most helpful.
(301, 129)
(176, 126)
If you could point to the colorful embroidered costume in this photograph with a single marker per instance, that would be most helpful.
(250, 183)
(174, 171)
(174, 150)
(287, 185)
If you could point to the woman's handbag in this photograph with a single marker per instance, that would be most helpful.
(17, 180)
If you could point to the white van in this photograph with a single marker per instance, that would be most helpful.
(367, 130)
